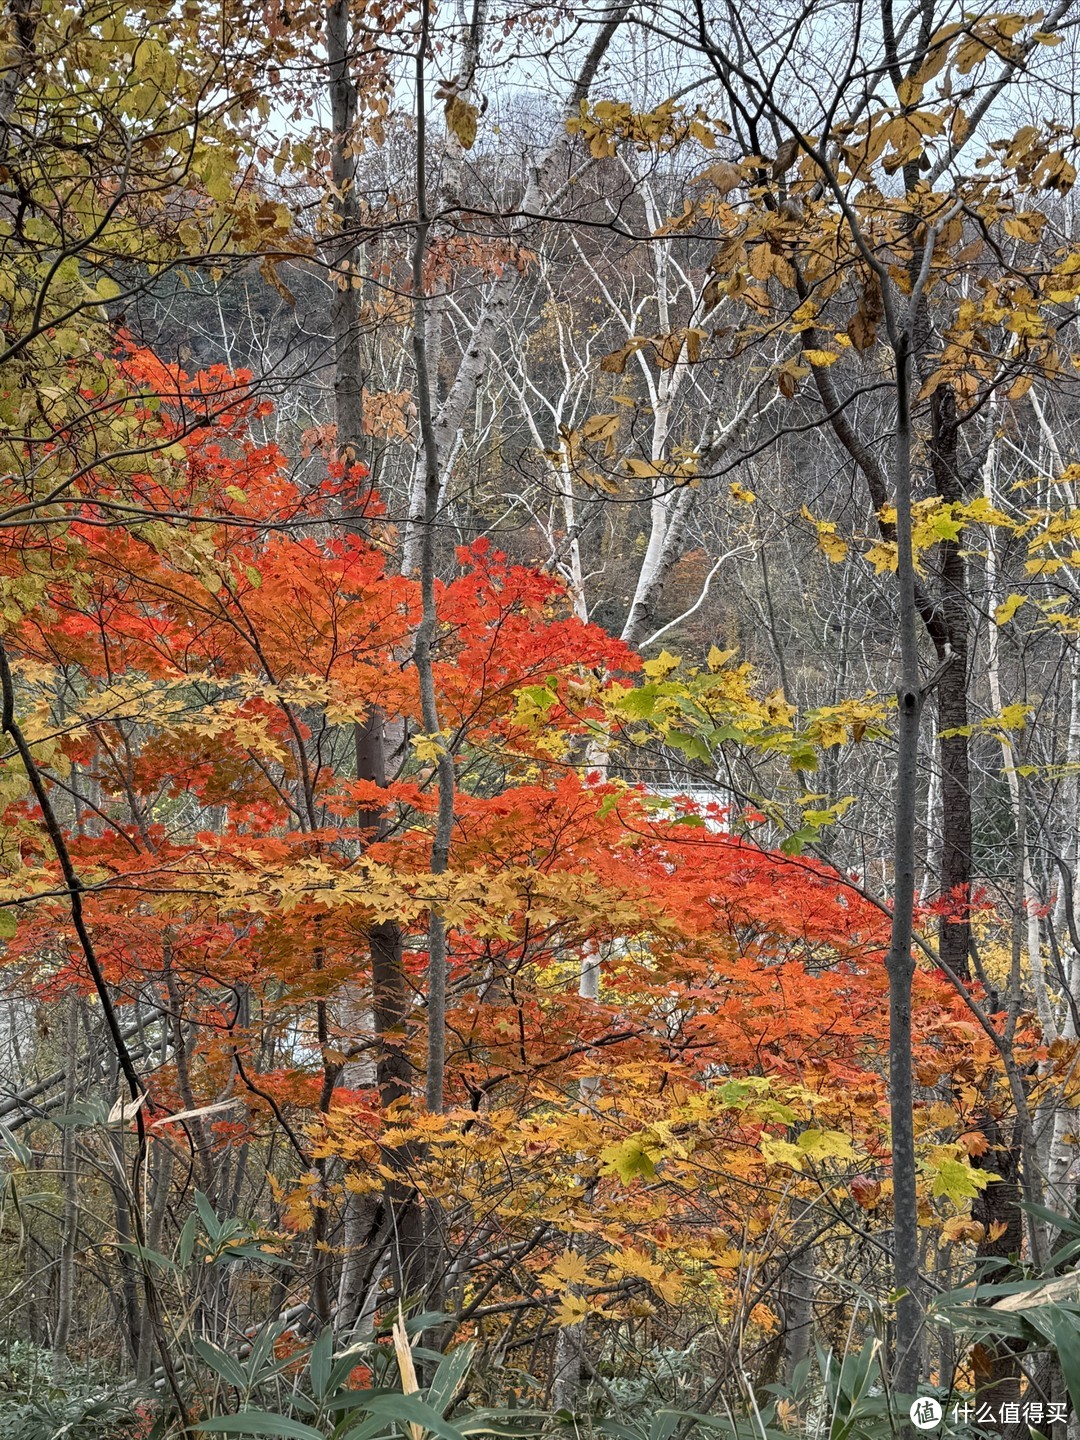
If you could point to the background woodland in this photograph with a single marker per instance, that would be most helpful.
(540, 691)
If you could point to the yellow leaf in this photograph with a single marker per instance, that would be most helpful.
(662, 665)
(633, 1262)
(570, 1268)
(723, 176)
(882, 556)
(821, 357)
(756, 298)
(669, 1288)
(640, 469)
(628, 1159)
(780, 1152)
(961, 1230)
(1004, 612)
(1027, 226)
(761, 262)
(600, 427)
(861, 330)
(461, 121)
(428, 749)
(571, 1310)
(1013, 717)
(823, 1143)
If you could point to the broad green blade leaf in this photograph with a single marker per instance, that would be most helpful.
(1067, 1224)
(262, 1350)
(345, 1361)
(143, 1252)
(448, 1377)
(610, 1427)
(374, 1425)
(412, 1407)
(21, 1152)
(221, 1363)
(319, 1363)
(1065, 1333)
(664, 1422)
(258, 1422)
(427, 1321)
(185, 1246)
(208, 1216)
(503, 1422)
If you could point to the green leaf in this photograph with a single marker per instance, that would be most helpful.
(258, 1422)
(21, 1152)
(262, 1350)
(448, 1377)
(628, 1159)
(344, 1363)
(252, 1250)
(373, 1425)
(426, 1320)
(501, 1422)
(693, 746)
(152, 1257)
(411, 1408)
(1063, 1329)
(959, 1181)
(208, 1216)
(664, 1424)
(222, 1364)
(320, 1363)
(185, 1246)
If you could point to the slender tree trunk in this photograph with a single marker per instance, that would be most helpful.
(426, 636)
(799, 1282)
(390, 1004)
(69, 1215)
(162, 1159)
(954, 931)
(571, 1339)
(900, 963)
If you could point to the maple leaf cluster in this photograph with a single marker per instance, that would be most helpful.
(195, 640)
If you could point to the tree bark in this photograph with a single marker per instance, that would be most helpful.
(901, 967)
(390, 1006)
(954, 929)
(69, 1215)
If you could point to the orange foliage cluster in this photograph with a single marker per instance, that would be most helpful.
(212, 631)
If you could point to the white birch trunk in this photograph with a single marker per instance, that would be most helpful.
(537, 200)
(1010, 760)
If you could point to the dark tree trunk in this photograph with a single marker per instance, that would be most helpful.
(954, 933)
(389, 990)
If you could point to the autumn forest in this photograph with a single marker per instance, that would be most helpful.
(539, 720)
